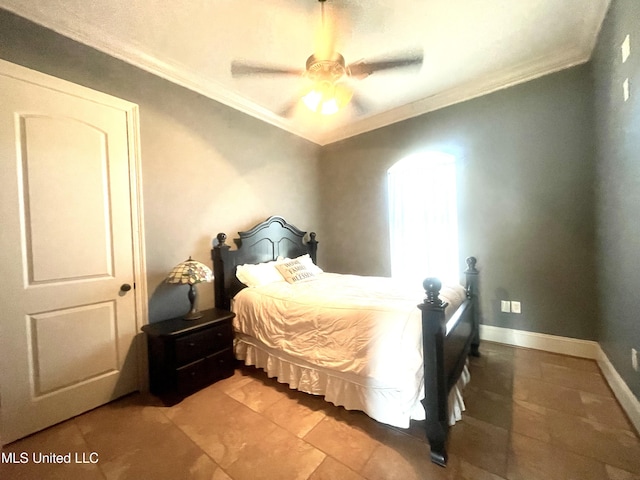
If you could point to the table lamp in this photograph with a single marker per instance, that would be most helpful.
(190, 272)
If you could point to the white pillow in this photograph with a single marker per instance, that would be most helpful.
(307, 262)
(255, 275)
(295, 271)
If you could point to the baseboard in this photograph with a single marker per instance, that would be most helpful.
(623, 393)
(575, 348)
(541, 341)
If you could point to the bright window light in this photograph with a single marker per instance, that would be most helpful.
(423, 218)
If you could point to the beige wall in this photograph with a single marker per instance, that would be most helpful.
(206, 168)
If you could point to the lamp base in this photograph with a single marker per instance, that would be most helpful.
(193, 315)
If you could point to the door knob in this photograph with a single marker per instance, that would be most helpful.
(125, 287)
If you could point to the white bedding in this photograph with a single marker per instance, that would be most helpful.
(355, 340)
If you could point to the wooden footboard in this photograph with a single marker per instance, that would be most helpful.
(446, 346)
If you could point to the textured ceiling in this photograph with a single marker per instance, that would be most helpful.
(470, 47)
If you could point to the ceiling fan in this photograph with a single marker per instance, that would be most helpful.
(329, 76)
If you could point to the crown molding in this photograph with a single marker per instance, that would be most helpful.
(489, 84)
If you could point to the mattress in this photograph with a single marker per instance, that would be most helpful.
(355, 340)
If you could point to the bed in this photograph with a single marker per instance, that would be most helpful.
(371, 348)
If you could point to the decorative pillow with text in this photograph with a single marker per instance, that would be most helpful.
(295, 271)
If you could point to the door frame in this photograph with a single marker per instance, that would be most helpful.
(131, 111)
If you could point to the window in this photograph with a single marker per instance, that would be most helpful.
(423, 218)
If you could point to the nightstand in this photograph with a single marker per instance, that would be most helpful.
(187, 355)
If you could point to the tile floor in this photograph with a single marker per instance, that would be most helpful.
(530, 415)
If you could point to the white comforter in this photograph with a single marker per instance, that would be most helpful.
(368, 328)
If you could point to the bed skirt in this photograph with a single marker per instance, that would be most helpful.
(384, 404)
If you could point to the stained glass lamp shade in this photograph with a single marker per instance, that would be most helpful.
(190, 272)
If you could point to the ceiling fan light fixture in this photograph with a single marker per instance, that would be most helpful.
(312, 100)
(327, 98)
(329, 107)
(342, 94)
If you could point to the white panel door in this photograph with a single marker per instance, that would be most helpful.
(67, 326)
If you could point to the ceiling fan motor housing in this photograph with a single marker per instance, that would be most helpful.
(327, 70)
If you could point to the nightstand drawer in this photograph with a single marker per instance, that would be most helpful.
(194, 346)
(191, 377)
(222, 363)
(197, 345)
(222, 337)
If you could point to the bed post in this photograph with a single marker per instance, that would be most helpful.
(435, 383)
(471, 274)
(312, 246)
(217, 253)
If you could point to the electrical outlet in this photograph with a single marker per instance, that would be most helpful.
(634, 359)
(626, 48)
(505, 306)
(515, 307)
(625, 89)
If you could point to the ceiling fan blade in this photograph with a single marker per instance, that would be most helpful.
(359, 105)
(365, 68)
(289, 109)
(240, 69)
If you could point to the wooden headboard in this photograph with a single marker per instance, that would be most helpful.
(265, 242)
